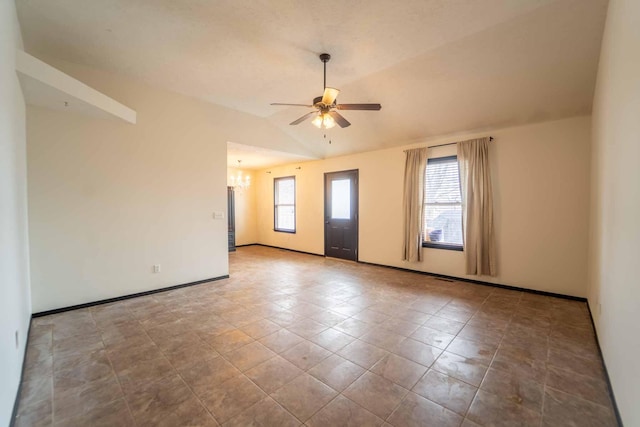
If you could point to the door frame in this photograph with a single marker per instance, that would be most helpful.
(357, 210)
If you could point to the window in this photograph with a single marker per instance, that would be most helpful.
(284, 196)
(443, 204)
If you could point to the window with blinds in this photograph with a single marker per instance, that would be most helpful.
(443, 204)
(284, 201)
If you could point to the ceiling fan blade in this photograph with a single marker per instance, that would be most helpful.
(370, 107)
(292, 105)
(339, 119)
(330, 95)
(303, 118)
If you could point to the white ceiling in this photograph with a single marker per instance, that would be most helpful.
(436, 66)
(252, 157)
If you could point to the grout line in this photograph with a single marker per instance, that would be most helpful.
(115, 374)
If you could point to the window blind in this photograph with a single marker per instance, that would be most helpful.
(443, 202)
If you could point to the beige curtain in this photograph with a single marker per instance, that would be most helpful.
(413, 203)
(477, 207)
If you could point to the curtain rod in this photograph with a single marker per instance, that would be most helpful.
(450, 143)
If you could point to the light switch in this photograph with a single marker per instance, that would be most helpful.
(218, 215)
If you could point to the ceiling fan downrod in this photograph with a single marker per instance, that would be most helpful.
(325, 57)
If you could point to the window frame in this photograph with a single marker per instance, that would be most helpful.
(433, 245)
(276, 204)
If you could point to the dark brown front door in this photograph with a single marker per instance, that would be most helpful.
(341, 214)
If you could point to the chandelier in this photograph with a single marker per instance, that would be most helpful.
(239, 180)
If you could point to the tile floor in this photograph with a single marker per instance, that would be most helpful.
(293, 339)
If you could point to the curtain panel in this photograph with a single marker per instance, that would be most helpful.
(413, 203)
(477, 207)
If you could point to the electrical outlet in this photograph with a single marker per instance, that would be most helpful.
(156, 268)
(17, 339)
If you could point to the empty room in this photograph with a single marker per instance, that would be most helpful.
(346, 213)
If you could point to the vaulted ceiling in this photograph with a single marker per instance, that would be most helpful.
(436, 66)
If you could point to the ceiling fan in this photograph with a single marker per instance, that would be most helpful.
(324, 106)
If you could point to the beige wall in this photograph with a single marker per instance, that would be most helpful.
(108, 199)
(614, 294)
(245, 207)
(541, 185)
(15, 303)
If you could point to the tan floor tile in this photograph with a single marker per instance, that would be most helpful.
(266, 412)
(328, 318)
(132, 352)
(304, 396)
(285, 318)
(305, 355)
(371, 316)
(586, 387)
(375, 394)
(342, 412)
(230, 398)
(580, 365)
(417, 411)
(399, 326)
(39, 414)
(332, 339)
(36, 389)
(515, 361)
(307, 328)
(447, 391)
(273, 374)
(516, 388)
(250, 355)
(362, 353)
(337, 372)
(168, 402)
(414, 316)
(201, 375)
(401, 371)
(193, 331)
(460, 367)
(477, 351)
(417, 351)
(261, 328)
(432, 337)
(479, 334)
(108, 415)
(75, 401)
(143, 373)
(384, 339)
(229, 341)
(561, 409)
(39, 359)
(184, 353)
(74, 372)
(41, 335)
(490, 409)
(69, 346)
(281, 340)
(444, 325)
(354, 327)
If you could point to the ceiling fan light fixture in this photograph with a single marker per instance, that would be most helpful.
(323, 121)
(327, 121)
(317, 121)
